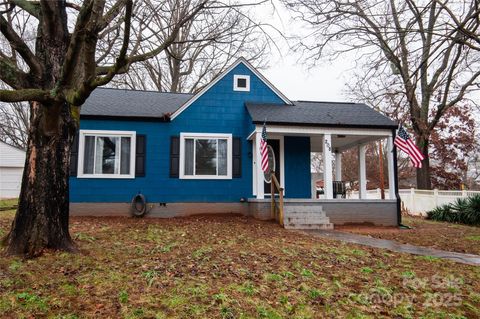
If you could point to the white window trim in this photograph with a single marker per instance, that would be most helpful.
(184, 136)
(236, 77)
(81, 150)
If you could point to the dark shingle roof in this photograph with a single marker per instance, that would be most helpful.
(319, 113)
(131, 103)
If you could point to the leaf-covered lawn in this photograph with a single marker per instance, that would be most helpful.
(228, 267)
(440, 235)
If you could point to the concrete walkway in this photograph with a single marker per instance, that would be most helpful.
(395, 246)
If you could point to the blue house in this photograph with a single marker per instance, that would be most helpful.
(194, 154)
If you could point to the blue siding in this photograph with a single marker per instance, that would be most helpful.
(297, 167)
(219, 110)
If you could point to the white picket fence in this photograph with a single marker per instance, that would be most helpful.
(419, 201)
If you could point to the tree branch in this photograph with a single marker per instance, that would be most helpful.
(19, 45)
(76, 41)
(11, 74)
(32, 7)
(171, 38)
(112, 13)
(24, 95)
(121, 60)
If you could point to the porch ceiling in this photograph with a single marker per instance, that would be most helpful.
(342, 143)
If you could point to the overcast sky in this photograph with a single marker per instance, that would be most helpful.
(287, 71)
(321, 83)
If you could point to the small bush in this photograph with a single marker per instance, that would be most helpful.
(463, 210)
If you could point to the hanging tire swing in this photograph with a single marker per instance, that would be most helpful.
(139, 205)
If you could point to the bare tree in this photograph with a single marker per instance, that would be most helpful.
(316, 162)
(471, 179)
(350, 167)
(14, 118)
(204, 48)
(423, 55)
(77, 48)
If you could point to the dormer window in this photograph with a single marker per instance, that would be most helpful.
(241, 83)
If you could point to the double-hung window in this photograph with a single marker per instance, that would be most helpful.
(106, 154)
(205, 156)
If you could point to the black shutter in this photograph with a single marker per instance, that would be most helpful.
(174, 156)
(74, 156)
(140, 155)
(237, 157)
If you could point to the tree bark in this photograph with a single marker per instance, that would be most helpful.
(42, 217)
(423, 173)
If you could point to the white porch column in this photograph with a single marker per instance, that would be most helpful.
(362, 173)
(338, 166)
(391, 169)
(258, 158)
(327, 166)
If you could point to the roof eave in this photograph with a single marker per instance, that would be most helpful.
(367, 126)
(164, 118)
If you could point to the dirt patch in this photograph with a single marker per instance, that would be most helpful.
(227, 267)
(440, 235)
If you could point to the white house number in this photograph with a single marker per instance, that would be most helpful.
(327, 144)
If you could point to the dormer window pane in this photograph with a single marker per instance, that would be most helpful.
(241, 83)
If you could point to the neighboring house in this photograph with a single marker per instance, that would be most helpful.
(12, 160)
(192, 154)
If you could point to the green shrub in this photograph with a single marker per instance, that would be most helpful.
(463, 210)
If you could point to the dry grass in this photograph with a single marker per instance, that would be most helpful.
(228, 267)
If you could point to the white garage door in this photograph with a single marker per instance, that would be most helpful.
(10, 181)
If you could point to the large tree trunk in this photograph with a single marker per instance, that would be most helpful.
(423, 173)
(42, 216)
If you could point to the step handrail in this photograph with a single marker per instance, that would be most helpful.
(274, 184)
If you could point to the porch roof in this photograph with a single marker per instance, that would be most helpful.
(333, 114)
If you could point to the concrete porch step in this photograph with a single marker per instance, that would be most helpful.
(310, 220)
(297, 209)
(305, 215)
(327, 226)
(301, 216)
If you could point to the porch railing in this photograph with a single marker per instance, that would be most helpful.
(276, 209)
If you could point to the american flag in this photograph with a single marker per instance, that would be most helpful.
(264, 149)
(403, 142)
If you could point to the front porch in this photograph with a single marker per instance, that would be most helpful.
(339, 211)
(294, 164)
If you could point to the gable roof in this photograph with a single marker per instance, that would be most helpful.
(107, 102)
(319, 113)
(220, 76)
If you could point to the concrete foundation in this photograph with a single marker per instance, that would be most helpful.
(157, 210)
(339, 211)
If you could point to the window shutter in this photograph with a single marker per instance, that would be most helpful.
(237, 157)
(174, 156)
(140, 155)
(74, 156)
